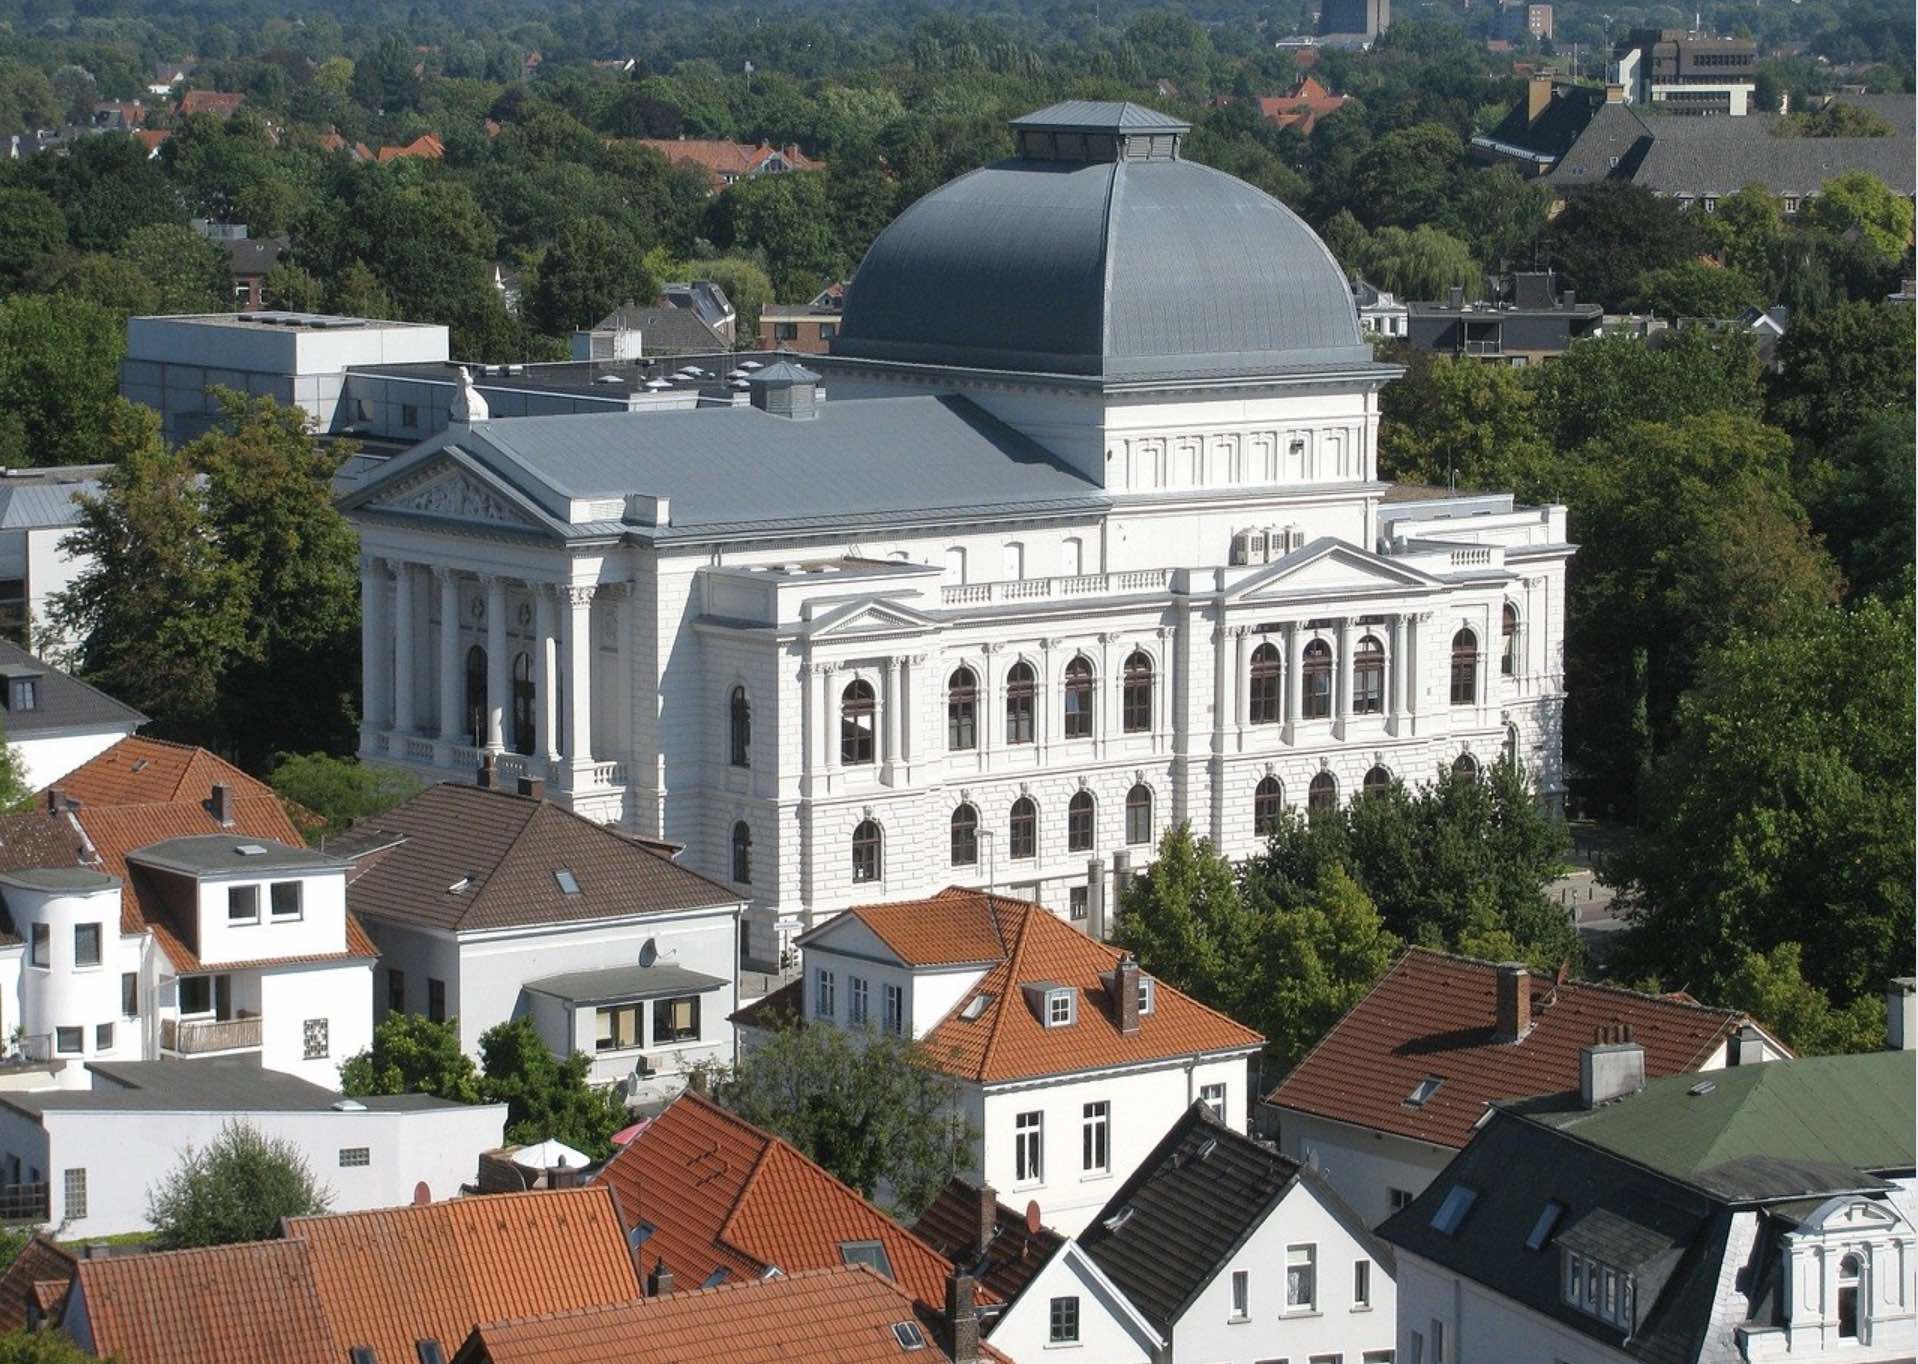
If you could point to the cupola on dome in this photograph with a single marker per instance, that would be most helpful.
(1098, 250)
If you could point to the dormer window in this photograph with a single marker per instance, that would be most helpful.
(1599, 1290)
(1061, 1008)
(23, 694)
(1145, 995)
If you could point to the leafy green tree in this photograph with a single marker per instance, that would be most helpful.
(588, 271)
(1500, 213)
(1861, 489)
(1695, 289)
(105, 281)
(1612, 233)
(1315, 961)
(235, 1188)
(411, 1054)
(41, 1347)
(1771, 987)
(1860, 199)
(1842, 366)
(547, 1097)
(1783, 814)
(1748, 231)
(1403, 177)
(1462, 422)
(59, 378)
(189, 273)
(1837, 119)
(31, 227)
(339, 790)
(787, 218)
(1602, 385)
(357, 292)
(873, 1109)
(288, 286)
(1184, 919)
(1420, 263)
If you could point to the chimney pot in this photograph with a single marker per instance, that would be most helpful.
(56, 800)
(1608, 1071)
(1457, 297)
(962, 1318)
(533, 787)
(1901, 1014)
(223, 804)
(659, 1284)
(1127, 979)
(1514, 1002)
(988, 1222)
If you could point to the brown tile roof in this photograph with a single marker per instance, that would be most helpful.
(723, 1194)
(40, 1261)
(1006, 1040)
(425, 147)
(242, 1304)
(143, 771)
(506, 848)
(222, 103)
(727, 160)
(151, 138)
(1433, 1014)
(780, 1009)
(844, 1315)
(1013, 1258)
(393, 1277)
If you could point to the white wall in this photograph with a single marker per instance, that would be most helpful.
(1362, 1165)
(1479, 1324)
(320, 927)
(61, 994)
(341, 995)
(45, 758)
(1107, 1332)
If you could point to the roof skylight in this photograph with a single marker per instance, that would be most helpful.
(717, 1277)
(1458, 1201)
(250, 850)
(909, 1336)
(975, 1007)
(1424, 1090)
(1542, 1229)
(568, 883)
(869, 1253)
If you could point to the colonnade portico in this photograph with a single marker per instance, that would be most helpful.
(527, 735)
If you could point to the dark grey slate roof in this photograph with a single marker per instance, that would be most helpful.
(1612, 146)
(61, 702)
(743, 470)
(615, 983)
(1204, 1189)
(217, 1085)
(1124, 270)
(664, 329)
(1101, 116)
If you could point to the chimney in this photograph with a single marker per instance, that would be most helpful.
(1126, 1005)
(222, 804)
(988, 1219)
(533, 787)
(1514, 1002)
(1538, 98)
(1568, 299)
(1747, 1046)
(1096, 900)
(1609, 1070)
(1456, 299)
(962, 1318)
(56, 800)
(1615, 93)
(488, 774)
(659, 1284)
(1121, 876)
(1901, 1015)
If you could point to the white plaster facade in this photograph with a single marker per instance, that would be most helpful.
(1111, 1330)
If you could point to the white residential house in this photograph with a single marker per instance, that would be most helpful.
(52, 721)
(488, 904)
(1077, 533)
(1071, 1063)
(1380, 313)
(1761, 1213)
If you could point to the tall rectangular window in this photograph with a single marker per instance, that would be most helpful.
(1241, 1294)
(196, 994)
(243, 904)
(1301, 1278)
(395, 990)
(129, 994)
(75, 1187)
(86, 944)
(616, 1029)
(315, 1035)
(1361, 1283)
(856, 1004)
(1062, 1327)
(103, 1037)
(1213, 1097)
(1028, 1147)
(896, 1009)
(676, 1020)
(1096, 1132)
(41, 953)
(822, 994)
(436, 1000)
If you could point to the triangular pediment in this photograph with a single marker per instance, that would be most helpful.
(869, 616)
(444, 488)
(1326, 567)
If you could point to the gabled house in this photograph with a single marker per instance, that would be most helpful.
(219, 103)
(1229, 1251)
(1396, 1088)
(686, 319)
(34, 1286)
(53, 720)
(1761, 1213)
(1070, 1061)
(488, 904)
(706, 1198)
(139, 770)
(1303, 108)
(728, 162)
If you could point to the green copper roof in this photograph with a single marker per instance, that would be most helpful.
(1817, 1111)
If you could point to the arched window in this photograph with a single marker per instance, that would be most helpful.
(1464, 668)
(1138, 814)
(1322, 797)
(1025, 828)
(1266, 705)
(1377, 782)
(855, 723)
(965, 837)
(1137, 700)
(1511, 744)
(476, 694)
(962, 710)
(1317, 677)
(1079, 813)
(1072, 554)
(743, 853)
(867, 860)
(1079, 699)
(523, 703)
(1849, 1273)
(739, 726)
(1508, 642)
(956, 567)
(1015, 560)
(1020, 689)
(1465, 765)
(1368, 677)
(1268, 803)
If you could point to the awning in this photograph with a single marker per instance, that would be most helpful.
(619, 984)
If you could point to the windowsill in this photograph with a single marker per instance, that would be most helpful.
(1065, 1345)
(79, 970)
(1239, 1321)
(1095, 1176)
(1361, 1307)
(1291, 1313)
(289, 918)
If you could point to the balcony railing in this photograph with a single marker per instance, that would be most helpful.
(1045, 589)
(197, 1037)
(24, 1202)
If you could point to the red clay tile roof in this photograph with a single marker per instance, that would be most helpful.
(40, 1261)
(151, 138)
(393, 1277)
(243, 1304)
(844, 1315)
(723, 1194)
(506, 848)
(222, 103)
(1432, 1014)
(425, 147)
(142, 771)
(1006, 1040)
(950, 1224)
(727, 159)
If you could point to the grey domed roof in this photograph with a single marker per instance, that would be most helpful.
(1099, 252)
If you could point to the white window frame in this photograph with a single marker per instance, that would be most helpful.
(1213, 1097)
(858, 1000)
(1241, 1295)
(895, 1004)
(1304, 1257)
(1096, 1138)
(1361, 1285)
(1029, 1148)
(1062, 1009)
(823, 1003)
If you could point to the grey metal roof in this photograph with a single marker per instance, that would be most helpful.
(742, 469)
(626, 982)
(1101, 116)
(61, 701)
(59, 878)
(1125, 270)
(199, 854)
(214, 1085)
(33, 505)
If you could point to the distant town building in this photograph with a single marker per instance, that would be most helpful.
(686, 319)
(1686, 73)
(1363, 19)
(1303, 108)
(1380, 312)
(166, 77)
(808, 328)
(1519, 20)
(727, 162)
(219, 103)
(38, 511)
(1528, 321)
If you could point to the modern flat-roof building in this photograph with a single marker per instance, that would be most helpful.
(1530, 321)
(1686, 73)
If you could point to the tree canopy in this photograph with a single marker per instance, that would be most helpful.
(235, 1188)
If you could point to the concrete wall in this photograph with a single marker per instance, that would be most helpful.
(45, 758)
(338, 999)
(1362, 1165)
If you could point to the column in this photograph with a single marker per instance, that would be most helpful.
(546, 678)
(829, 716)
(496, 664)
(912, 675)
(1047, 701)
(452, 675)
(1395, 680)
(1242, 679)
(1412, 661)
(579, 677)
(1163, 696)
(809, 759)
(404, 630)
(375, 710)
(1342, 708)
(894, 691)
(1220, 680)
(619, 744)
(1294, 677)
(988, 715)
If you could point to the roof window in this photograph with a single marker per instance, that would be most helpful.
(568, 883)
(909, 1336)
(717, 1277)
(975, 1007)
(869, 1253)
(641, 1233)
(1542, 1229)
(1053, 1004)
(250, 850)
(1145, 995)
(430, 1351)
(1458, 1201)
(1424, 1090)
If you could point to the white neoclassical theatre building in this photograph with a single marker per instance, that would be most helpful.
(1077, 533)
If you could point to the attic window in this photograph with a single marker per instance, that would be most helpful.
(641, 1233)
(250, 850)
(139, 764)
(1542, 1229)
(1145, 995)
(459, 885)
(909, 1336)
(869, 1253)
(975, 1007)
(1458, 1201)
(24, 694)
(430, 1351)
(716, 1278)
(1062, 1007)
(568, 883)
(1423, 1091)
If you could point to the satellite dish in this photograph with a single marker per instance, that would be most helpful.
(649, 953)
(1032, 1217)
(423, 1195)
